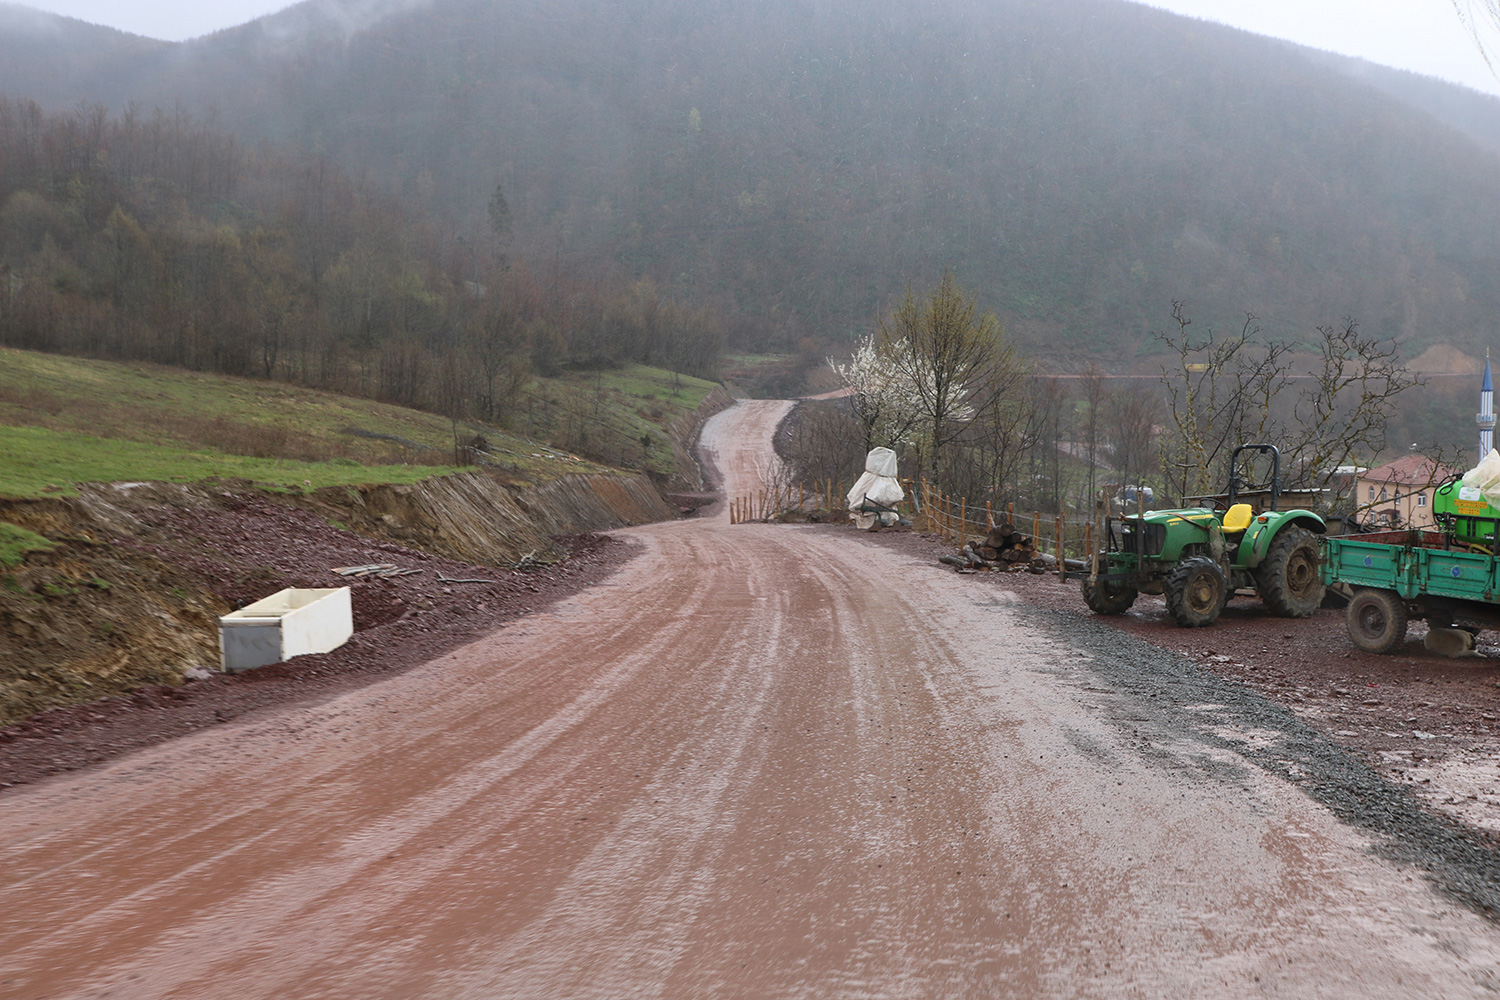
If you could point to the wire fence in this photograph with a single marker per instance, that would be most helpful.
(778, 500)
(959, 523)
(952, 518)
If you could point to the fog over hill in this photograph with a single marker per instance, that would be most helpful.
(798, 162)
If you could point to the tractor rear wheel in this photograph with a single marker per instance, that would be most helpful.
(1288, 578)
(1196, 591)
(1108, 598)
(1376, 619)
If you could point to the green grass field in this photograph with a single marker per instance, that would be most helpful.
(620, 414)
(69, 420)
(37, 461)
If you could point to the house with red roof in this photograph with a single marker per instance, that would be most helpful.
(1399, 493)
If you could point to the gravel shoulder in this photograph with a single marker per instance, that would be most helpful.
(1420, 721)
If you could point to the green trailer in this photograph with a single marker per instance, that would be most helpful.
(1449, 577)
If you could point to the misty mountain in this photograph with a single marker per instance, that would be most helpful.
(1472, 113)
(797, 163)
(59, 61)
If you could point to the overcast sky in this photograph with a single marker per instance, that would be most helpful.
(1420, 35)
(1424, 36)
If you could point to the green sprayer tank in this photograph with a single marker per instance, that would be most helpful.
(1465, 512)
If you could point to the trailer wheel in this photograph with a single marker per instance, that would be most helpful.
(1108, 598)
(1288, 578)
(1196, 591)
(1377, 620)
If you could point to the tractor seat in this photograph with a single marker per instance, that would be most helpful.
(1238, 518)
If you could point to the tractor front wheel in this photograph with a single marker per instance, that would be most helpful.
(1196, 591)
(1108, 598)
(1377, 620)
(1288, 577)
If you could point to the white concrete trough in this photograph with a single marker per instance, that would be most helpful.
(289, 623)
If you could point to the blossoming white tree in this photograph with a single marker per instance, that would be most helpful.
(884, 404)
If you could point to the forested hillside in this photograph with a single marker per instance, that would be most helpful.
(157, 238)
(794, 164)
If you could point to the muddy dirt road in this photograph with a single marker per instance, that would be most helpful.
(759, 762)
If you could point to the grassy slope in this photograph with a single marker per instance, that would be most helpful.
(620, 415)
(69, 420)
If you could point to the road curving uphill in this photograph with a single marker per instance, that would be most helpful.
(794, 765)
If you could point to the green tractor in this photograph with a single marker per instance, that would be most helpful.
(1197, 557)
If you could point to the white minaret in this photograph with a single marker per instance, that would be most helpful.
(1486, 418)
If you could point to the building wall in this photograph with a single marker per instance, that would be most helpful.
(1414, 509)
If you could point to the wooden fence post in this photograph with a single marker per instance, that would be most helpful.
(1062, 558)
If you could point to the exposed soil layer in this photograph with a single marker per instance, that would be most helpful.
(247, 546)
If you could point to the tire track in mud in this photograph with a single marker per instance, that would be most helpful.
(760, 761)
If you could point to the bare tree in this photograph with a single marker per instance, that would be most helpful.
(1218, 396)
(1226, 391)
(1130, 432)
(1002, 437)
(1044, 456)
(1092, 426)
(821, 441)
(954, 360)
(1344, 410)
(1481, 18)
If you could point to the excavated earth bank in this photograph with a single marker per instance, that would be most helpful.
(120, 648)
(109, 641)
(98, 635)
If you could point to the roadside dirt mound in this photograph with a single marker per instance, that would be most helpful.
(221, 555)
(476, 517)
(142, 571)
(91, 618)
(132, 592)
(1446, 359)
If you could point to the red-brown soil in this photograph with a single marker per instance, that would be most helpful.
(761, 760)
(250, 545)
(1407, 712)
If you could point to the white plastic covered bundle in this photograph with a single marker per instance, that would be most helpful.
(878, 485)
(882, 462)
(1484, 477)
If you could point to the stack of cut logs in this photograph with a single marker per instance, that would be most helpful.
(1004, 549)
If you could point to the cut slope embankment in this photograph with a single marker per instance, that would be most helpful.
(131, 593)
